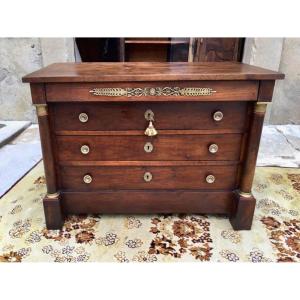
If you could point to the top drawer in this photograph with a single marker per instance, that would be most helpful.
(153, 91)
(132, 116)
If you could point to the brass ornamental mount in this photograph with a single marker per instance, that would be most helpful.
(148, 147)
(149, 115)
(213, 148)
(150, 130)
(87, 178)
(152, 91)
(83, 117)
(147, 176)
(210, 179)
(218, 116)
(85, 149)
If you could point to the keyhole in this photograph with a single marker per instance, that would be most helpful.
(149, 115)
(148, 147)
(147, 176)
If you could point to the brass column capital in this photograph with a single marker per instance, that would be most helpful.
(41, 110)
(260, 107)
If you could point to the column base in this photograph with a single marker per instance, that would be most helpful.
(53, 211)
(243, 211)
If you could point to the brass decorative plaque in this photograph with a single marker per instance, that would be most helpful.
(152, 91)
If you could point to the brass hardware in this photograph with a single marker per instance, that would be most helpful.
(53, 196)
(152, 91)
(41, 110)
(218, 116)
(149, 115)
(85, 149)
(150, 130)
(148, 147)
(87, 178)
(83, 117)
(260, 107)
(245, 195)
(213, 148)
(210, 178)
(147, 176)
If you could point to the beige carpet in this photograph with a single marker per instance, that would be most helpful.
(275, 235)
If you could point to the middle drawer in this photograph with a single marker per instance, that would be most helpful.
(138, 147)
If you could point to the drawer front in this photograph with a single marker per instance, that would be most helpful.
(162, 147)
(148, 201)
(149, 177)
(131, 116)
(153, 91)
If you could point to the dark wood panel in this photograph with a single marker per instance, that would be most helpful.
(147, 202)
(224, 91)
(218, 49)
(265, 92)
(151, 71)
(172, 147)
(179, 177)
(130, 116)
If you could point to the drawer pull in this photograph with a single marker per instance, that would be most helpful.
(213, 148)
(85, 149)
(87, 178)
(149, 115)
(83, 117)
(218, 116)
(148, 147)
(147, 176)
(210, 178)
(150, 130)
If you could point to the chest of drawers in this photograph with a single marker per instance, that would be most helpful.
(150, 137)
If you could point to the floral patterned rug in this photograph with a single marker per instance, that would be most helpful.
(275, 235)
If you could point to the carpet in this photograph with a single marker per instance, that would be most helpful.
(275, 235)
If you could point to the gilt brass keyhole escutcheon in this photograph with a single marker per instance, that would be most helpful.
(148, 147)
(149, 115)
(147, 176)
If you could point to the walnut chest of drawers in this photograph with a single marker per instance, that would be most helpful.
(150, 137)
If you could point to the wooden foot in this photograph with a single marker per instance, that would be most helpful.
(243, 211)
(53, 212)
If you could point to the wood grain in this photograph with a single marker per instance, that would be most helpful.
(143, 71)
(165, 147)
(167, 116)
(164, 177)
(147, 202)
(225, 91)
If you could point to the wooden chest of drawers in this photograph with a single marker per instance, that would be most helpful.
(150, 137)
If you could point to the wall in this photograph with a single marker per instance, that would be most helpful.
(286, 108)
(18, 57)
(279, 54)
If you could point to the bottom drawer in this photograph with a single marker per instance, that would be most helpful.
(209, 177)
(147, 202)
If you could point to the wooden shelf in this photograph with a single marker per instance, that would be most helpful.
(157, 42)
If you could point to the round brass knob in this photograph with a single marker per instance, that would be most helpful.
(87, 178)
(149, 115)
(85, 149)
(213, 148)
(83, 117)
(210, 178)
(148, 147)
(218, 116)
(147, 176)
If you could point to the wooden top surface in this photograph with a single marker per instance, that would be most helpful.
(143, 71)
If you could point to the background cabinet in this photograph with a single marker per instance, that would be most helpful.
(159, 49)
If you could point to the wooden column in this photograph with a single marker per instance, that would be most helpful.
(243, 211)
(51, 202)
